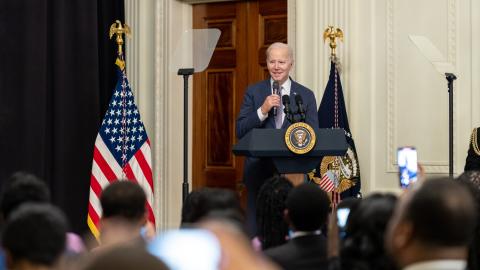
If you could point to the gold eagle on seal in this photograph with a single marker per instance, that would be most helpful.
(344, 169)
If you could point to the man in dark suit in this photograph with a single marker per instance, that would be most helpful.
(307, 209)
(257, 111)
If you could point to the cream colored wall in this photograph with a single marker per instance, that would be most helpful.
(156, 25)
(393, 95)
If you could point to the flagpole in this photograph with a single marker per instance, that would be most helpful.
(332, 34)
(119, 30)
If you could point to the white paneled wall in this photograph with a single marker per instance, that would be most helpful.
(394, 95)
(159, 92)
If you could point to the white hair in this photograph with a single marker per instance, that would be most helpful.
(280, 45)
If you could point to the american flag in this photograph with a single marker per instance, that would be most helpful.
(122, 151)
(326, 183)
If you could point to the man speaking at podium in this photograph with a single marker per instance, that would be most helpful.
(262, 107)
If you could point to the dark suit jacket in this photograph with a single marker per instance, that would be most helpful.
(256, 95)
(256, 170)
(248, 120)
(301, 253)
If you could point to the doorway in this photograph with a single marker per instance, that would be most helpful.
(248, 28)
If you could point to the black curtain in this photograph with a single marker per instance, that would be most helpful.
(56, 78)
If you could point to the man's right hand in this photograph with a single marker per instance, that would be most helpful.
(270, 102)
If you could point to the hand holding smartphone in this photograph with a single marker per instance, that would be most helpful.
(407, 166)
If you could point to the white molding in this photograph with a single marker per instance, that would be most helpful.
(155, 25)
(161, 160)
(452, 31)
(391, 105)
(132, 45)
(171, 18)
(433, 167)
(312, 53)
(292, 29)
(475, 44)
(363, 55)
(146, 68)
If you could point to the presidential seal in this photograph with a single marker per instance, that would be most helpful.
(338, 173)
(300, 138)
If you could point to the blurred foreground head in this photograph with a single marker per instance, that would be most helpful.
(124, 258)
(20, 188)
(272, 228)
(471, 179)
(307, 207)
(363, 246)
(123, 212)
(435, 221)
(34, 236)
(205, 202)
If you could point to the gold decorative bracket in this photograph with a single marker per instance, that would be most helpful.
(332, 33)
(118, 29)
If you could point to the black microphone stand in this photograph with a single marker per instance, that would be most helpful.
(286, 109)
(185, 72)
(300, 110)
(450, 78)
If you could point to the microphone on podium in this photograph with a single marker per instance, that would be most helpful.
(286, 105)
(276, 91)
(301, 110)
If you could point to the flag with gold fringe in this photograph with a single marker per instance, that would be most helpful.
(337, 175)
(121, 152)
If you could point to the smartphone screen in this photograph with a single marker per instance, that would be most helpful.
(407, 166)
(342, 216)
(187, 249)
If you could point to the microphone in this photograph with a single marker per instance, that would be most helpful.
(276, 91)
(286, 105)
(301, 110)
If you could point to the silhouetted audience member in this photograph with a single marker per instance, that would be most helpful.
(472, 161)
(207, 201)
(123, 213)
(472, 180)
(363, 244)
(34, 237)
(272, 229)
(307, 209)
(125, 258)
(20, 188)
(432, 226)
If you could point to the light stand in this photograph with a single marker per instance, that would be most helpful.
(450, 78)
(185, 72)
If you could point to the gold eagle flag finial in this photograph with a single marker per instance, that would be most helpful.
(332, 34)
(118, 29)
